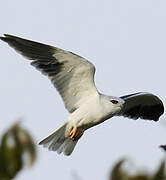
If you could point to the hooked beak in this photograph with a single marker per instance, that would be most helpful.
(120, 105)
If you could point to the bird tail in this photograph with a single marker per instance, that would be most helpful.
(58, 142)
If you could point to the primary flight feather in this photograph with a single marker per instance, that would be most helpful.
(73, 77)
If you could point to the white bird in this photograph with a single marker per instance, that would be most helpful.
(73, 77)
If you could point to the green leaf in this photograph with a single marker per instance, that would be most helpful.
(16, 143)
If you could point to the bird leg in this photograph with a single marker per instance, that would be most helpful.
(76, 133)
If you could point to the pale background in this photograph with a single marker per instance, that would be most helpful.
(126, 40)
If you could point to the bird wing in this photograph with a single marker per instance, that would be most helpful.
(72, 75)
(142, 105)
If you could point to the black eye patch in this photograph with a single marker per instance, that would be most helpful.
(114, 101)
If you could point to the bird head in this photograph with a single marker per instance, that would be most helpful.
(112, 105)
(116, 103)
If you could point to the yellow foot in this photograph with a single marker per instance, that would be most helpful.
(76, 133)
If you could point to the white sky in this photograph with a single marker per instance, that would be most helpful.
(125, 40)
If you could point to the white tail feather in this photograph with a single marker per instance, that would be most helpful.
(58, 142)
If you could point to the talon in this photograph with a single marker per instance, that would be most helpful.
(73, 132)
(76, 133)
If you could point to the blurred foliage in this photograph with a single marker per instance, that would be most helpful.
(163, 147)
(118, 173)
(16, 150)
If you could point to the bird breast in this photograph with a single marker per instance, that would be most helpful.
(91, 113)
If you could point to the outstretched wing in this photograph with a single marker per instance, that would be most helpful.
(142, 105)
(72, 75)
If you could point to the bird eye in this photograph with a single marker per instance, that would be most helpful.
(114, 101)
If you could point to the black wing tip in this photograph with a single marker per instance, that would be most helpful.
(3, 38)
(40, 143)
(145, 112)
(160, 110)
(8, 35)
(152, 113)
(155, 112)
(11, 38)
(7, 38)
(153, 119)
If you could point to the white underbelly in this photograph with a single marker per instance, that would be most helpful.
(88, 117)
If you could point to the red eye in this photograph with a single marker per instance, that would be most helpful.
(114, 101)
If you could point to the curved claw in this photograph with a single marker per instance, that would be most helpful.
(76, 133)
